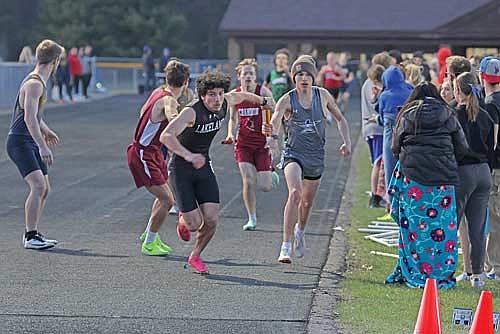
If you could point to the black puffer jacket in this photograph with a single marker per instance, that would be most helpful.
(428, 140)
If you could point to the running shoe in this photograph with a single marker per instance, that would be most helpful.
(174, 209)
(142, 237)
(158, 240)
(37, 243)
(154, 249)
(477, 281)
(385, 218)
(43, 238)
(285, 255)
(250, 226)
(197, 264)
(276, 179)
(183, 232)
(299, 244)
(492, 275)
(163, 245)
(462, 277)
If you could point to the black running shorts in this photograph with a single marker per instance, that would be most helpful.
(23, 151)
(193, 186)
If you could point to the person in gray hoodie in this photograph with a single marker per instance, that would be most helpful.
(373, 132)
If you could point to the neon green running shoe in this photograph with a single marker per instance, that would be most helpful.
(157, 239)
(153, 249)
(276, 179)
(250, 226)
(386, 218)
(162, 244)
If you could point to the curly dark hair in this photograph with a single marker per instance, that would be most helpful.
(177, 73)
(211, 79)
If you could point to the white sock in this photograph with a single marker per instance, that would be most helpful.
(252, 217)
(150, 237)
(148, 227)
(298, 230)
(286, 245)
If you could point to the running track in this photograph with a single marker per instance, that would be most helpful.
(97, 281)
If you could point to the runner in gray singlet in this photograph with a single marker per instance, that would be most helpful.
(306, 136)
(305, 109)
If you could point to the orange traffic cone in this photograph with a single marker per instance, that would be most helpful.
(483, 319)
(429, 319)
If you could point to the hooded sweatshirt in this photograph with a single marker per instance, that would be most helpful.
(442, 54)
(428, 140)
(396, 92)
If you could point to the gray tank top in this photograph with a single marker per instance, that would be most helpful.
(17, 124)
(306, 130)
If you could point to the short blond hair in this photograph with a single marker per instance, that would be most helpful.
(246, 62)
(413, 74)
(48, 51)
(383, 59)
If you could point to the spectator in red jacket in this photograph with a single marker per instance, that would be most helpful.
(442, 54)
(75, 68)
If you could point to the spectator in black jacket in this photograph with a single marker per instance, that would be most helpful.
(428, 140)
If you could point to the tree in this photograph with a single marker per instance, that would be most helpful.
(204, 38)
(114, 28)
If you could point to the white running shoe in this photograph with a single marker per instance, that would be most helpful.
(37, 243)
(299, 244)
(462, 277)
(52, 241)
(174, 209)
(285, 255)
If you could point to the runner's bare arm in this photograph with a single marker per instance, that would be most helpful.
(332, 108)
(234, 98)
(168, 137)
(169, 106)
(51, 138)
(320, 76)
(233, 120)
(33, 90)
(44, 128)
(281, 108)
(264, 91)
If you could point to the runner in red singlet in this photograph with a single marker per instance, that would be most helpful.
(251, 150)
(145, 158)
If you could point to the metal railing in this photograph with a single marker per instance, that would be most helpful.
(119, 75)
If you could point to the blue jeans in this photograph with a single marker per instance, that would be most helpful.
(388, 156)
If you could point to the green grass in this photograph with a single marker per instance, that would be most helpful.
(369, 306)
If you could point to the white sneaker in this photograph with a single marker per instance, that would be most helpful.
(299, 244)
(285, 255)
(174, 209)
(477, 281)
(37, 243)
(462, 277)
(52, 241)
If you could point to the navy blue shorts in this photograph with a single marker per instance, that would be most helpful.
(23, 151)
(375, 143)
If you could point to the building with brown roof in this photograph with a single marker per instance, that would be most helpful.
(360, 26)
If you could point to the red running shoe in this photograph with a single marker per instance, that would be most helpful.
(183, 232)
(197, 264)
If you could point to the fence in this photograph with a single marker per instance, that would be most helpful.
(11, 76)
(120, 75)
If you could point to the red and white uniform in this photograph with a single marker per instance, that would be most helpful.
(330, 81)
(251, 143)
(145, 158)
